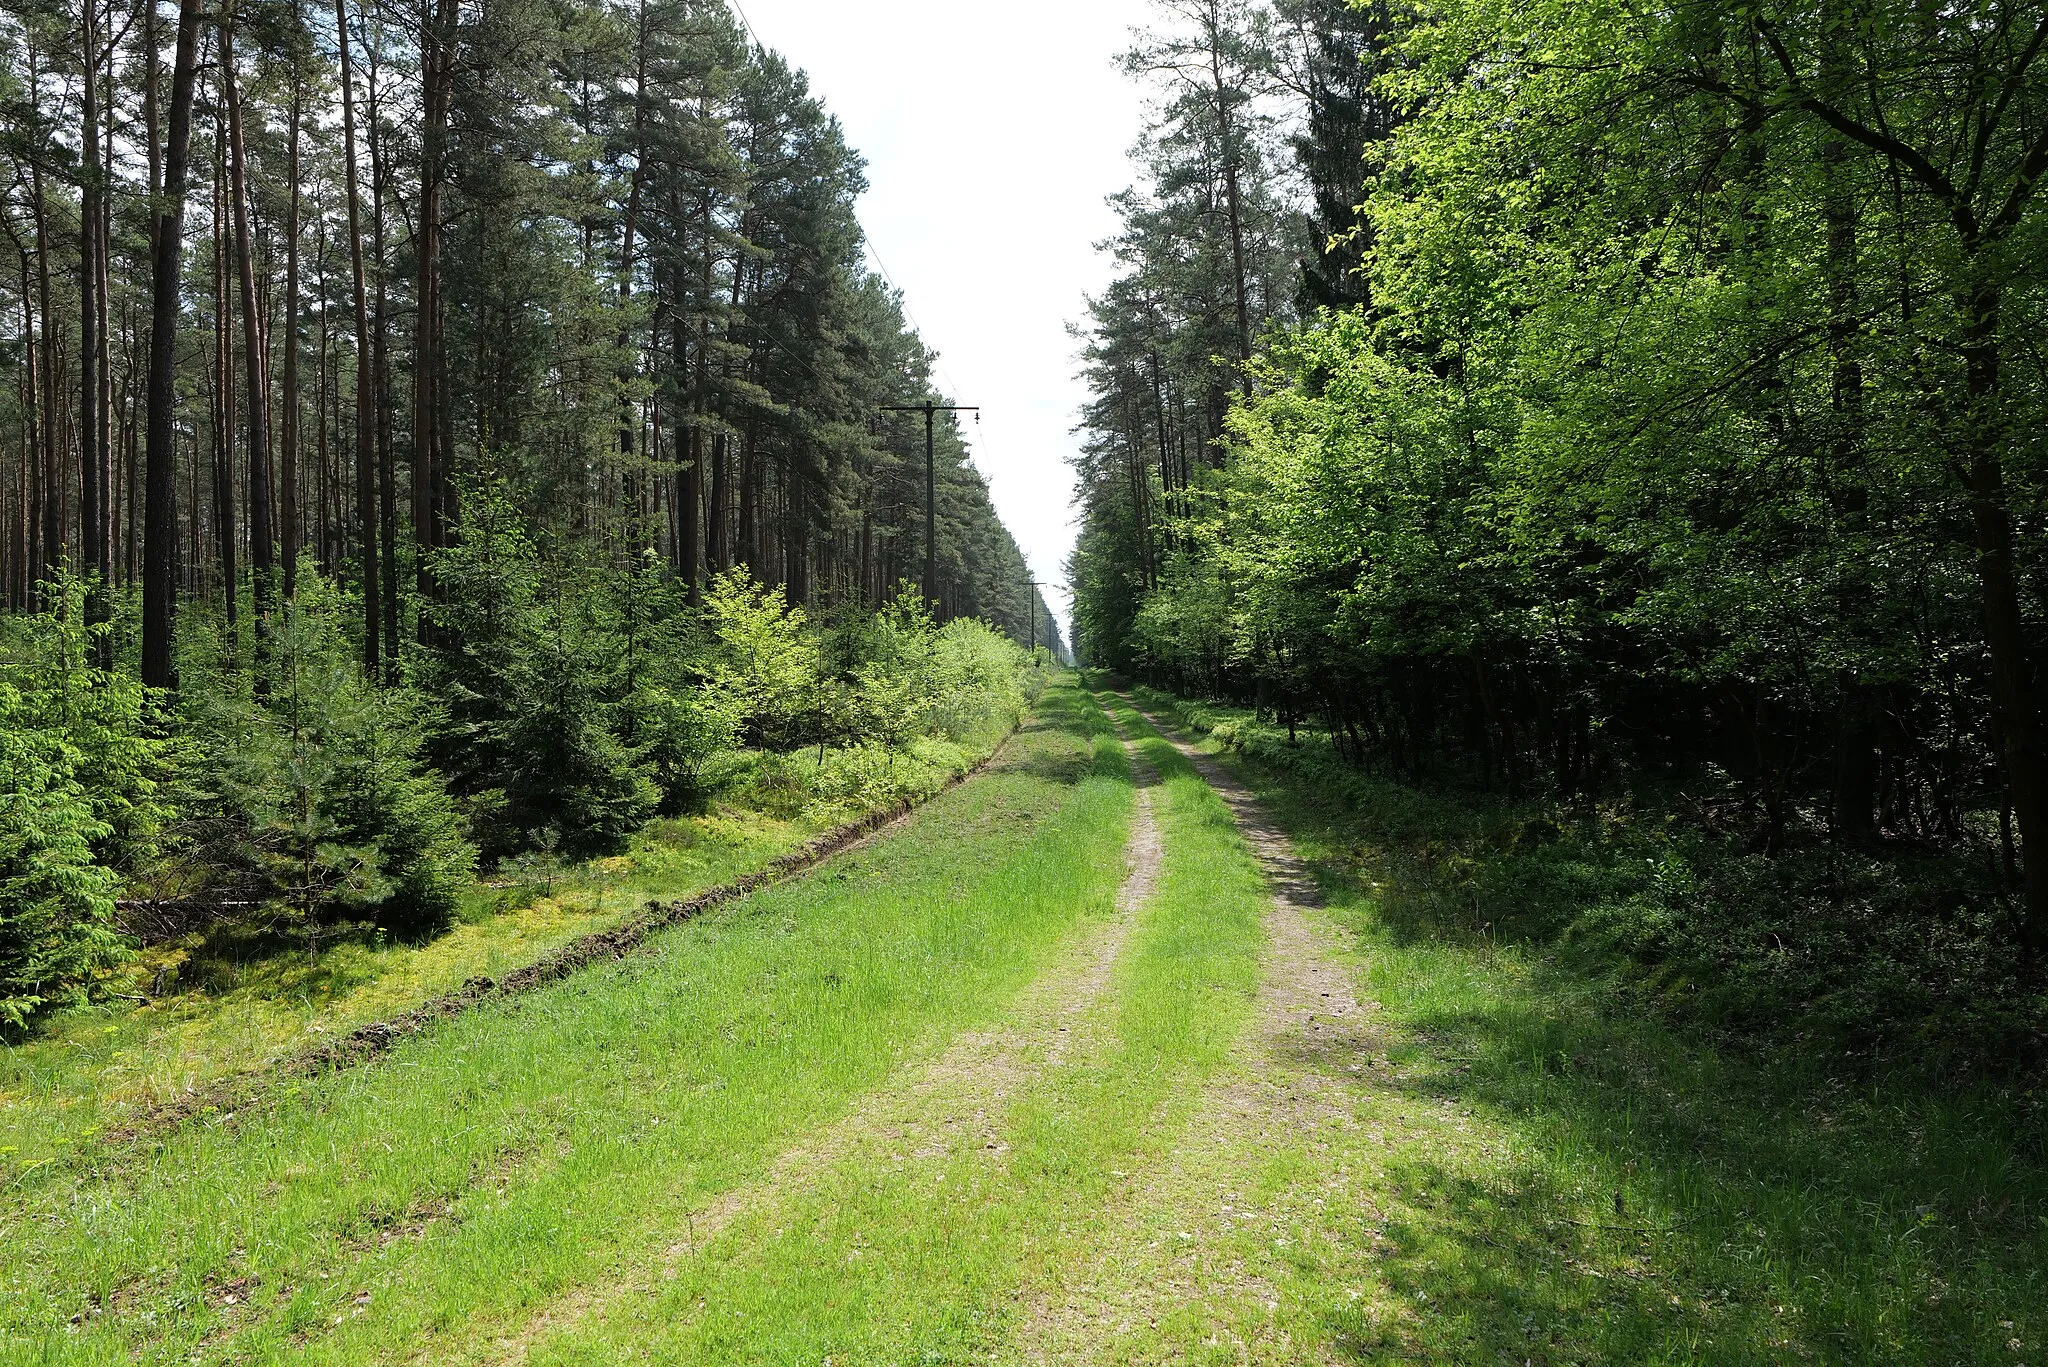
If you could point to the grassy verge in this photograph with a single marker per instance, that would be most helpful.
(241, 997)
(1883, 955)
(485, 1166)
(910, 1248)
(1529, 1168)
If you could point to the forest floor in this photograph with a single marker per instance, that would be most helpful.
(1104, 1056)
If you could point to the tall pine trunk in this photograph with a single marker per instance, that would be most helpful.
(262, 534)
(160, 457)
(380, 370)
(224, 407)
(288, 454)
(366, 498)
(92, 491)
(432, 486)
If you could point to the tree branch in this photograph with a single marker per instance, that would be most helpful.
(2032, 166)
(1989, 122)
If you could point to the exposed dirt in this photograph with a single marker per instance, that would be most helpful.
(1309, 1044)
(946, 1106)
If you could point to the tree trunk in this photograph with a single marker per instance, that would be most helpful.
(262, 535)
(366, 499)
(380, 371)
(1232, 194)
(160, 457)
(288, 455)
(51, 476)
(2012, 686)
(432, 487)
(92, 492)
(224, 400)
(714, 511)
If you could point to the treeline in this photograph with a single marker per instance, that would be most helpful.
(1572, 397)
(563, 704)
(434, 433)
(286, 277)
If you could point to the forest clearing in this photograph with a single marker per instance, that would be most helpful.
(1439, 757)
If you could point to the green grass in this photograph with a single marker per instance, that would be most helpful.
(497, 1161)
(754, 1144)
(231, 1002)
(930, 1256)
(244, 999)
(1532, 1170)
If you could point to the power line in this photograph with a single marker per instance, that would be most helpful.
(867, 240)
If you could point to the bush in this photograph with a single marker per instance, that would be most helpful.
(56, 898)
(678, 732)
(765, 661)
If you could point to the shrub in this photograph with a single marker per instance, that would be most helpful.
(679, 731)
(765, 660)
(56, 898)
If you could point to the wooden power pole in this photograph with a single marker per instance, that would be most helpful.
(1031, 588)
(931, 486)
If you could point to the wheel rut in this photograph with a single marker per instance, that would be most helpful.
(945, 1106)
(1309, 1045)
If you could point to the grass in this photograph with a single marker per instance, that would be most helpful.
(850, 1120)
(489, 1165)
(923, 1242)
(1528, 1169)
(245, 999)
(231, 1002)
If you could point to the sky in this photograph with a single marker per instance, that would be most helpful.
(993, 135)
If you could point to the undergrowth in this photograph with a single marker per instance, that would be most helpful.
(1887, 957)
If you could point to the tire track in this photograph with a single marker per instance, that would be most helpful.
(1307, 1045)
(946, 1106)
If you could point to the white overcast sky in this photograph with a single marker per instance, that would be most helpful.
(993, 134)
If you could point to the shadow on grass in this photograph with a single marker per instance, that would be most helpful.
(272, 961)
(1643, 1193)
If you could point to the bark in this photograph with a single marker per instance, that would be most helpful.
(262, 533)
(432, 486)
(288, 454)
(2012, 685)
(628, 420)
(366, 500)
(714, 511)
(1232, 193)
(380, 367)
(51, 476)
(32, 440)
(750, 501)
(92, 490)
(1845, 480)
(223, 405)
(23, 538)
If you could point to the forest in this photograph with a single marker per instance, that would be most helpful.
(1633, 418)
(432, 432)
(543, 819)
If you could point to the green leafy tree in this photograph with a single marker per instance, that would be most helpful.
(527, 666)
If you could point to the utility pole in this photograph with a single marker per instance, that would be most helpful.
(1031, 588)
(931, 486)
